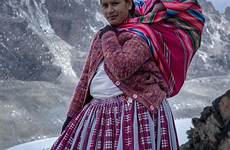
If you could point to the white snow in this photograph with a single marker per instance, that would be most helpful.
(182, 125)
(44, 144)
(203, 55)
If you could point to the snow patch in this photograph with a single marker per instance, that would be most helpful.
(182, 125)
(44, 144)
(203, 55)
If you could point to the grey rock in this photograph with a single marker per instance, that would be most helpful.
(227, 13)
(23, 55)
(73, 22)
(211, 130)
(208, 7)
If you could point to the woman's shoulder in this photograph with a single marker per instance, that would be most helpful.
(129, 36)
(96, 35)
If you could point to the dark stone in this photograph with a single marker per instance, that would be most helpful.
(211, 130)
(72, 20)
(196, 122)
(206, 113)
(227, 13)
(208, 7)
(210, 29)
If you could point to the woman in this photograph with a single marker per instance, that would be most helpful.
(120, 100)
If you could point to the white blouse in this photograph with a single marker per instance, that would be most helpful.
(101, 86)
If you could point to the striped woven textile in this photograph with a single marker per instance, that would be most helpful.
(114, 124)
(172, 29)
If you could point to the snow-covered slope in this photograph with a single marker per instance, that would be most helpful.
(44, 144)
(198, 93)
(213, 58)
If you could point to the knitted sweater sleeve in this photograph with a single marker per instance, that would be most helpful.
(124, 55)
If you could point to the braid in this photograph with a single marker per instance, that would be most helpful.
(132, 10)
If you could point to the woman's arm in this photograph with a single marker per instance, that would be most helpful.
(76, 103)
(124, 58)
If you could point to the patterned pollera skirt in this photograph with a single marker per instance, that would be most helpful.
(114, 124)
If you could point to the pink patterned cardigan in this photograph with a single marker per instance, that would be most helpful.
(130, 66)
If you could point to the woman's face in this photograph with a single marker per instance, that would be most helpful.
(116, 11)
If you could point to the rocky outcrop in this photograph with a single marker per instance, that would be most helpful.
(23, 54)
(216, 36)
(37, 38)
(227, 13)
(74, 21)
(212, 130)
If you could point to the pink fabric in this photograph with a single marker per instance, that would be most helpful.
(173, 31)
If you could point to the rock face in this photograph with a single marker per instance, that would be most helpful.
(24, 55)
(227, 13)
(74, 21)
(213, 54)
(212, 130)
(30, 49)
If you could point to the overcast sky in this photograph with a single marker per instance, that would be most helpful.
(220, 4)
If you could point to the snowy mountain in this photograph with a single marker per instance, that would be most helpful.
(39, 37)
(213, 57)
(43, 45)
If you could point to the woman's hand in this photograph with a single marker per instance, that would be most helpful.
(124, 54)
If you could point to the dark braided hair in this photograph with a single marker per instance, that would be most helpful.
(132, 11)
